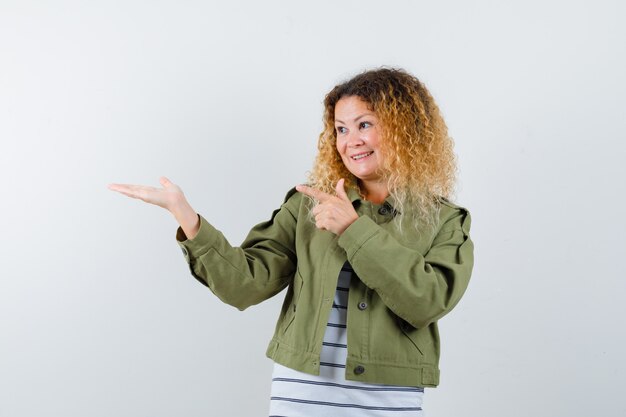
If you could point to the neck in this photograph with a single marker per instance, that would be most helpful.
(375, 192)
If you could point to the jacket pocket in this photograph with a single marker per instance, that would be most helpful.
(411, 333)
(290, 315)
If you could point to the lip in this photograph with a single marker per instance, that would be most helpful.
(367, 154)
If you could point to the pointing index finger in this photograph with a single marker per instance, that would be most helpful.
(314, 193)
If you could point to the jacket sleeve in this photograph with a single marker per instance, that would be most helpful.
(242, 276)
(418, 288)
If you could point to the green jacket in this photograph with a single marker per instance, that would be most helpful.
(405, 284)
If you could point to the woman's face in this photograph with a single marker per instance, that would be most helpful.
(358, 139)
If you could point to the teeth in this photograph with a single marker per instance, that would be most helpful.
(361, 156)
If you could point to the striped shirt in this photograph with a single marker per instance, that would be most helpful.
(298, 394)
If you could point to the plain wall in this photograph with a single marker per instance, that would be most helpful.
(99, 315)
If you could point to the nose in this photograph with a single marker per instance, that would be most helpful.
(355, 139)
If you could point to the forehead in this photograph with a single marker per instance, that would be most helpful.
(351, 107)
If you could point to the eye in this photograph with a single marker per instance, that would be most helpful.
(340, 129)
(364, 125)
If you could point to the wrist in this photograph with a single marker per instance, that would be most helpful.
(180, 207)
(186, 217)
(183, 213)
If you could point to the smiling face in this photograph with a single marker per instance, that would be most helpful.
(358, 141)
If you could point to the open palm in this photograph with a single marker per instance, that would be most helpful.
(168, 197)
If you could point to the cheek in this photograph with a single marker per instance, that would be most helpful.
(340, 146)
(374, 140)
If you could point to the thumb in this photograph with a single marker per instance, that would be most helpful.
(341, 191)
(165, 182)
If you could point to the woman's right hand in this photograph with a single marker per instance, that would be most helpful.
(170, 197)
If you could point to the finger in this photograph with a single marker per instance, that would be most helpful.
(128, 193)
(320, 224)
(341, 190)
(121, 188)
(319, 218)
(134, 191)
(165, 182)
(317, 210)
(314, 193)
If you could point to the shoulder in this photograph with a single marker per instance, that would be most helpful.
(454, 216)
(292, 201)
(292, 191)
(448, 203)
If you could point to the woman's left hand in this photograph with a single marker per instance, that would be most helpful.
(333, 213)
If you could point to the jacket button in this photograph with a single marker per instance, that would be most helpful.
(362, 305)
(184, 251)
(359, 370)
(384, 210)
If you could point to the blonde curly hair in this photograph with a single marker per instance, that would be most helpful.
(418, 161)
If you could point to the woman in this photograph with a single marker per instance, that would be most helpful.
(371, 250)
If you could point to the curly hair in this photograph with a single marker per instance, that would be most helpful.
(418, 161)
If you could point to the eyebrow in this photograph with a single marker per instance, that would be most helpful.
(357, 119)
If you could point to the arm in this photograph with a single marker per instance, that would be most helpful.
(419, 289)
(262, 266)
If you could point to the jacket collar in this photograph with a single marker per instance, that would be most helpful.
(355, 197)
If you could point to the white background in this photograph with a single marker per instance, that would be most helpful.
(99, 315)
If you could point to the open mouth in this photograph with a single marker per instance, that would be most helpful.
(361, 155)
